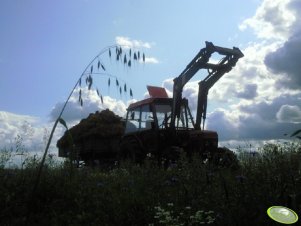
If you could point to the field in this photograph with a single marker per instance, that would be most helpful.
(187, 193)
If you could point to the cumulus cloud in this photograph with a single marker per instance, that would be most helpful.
(11, 125)
(91, 103)
(190, 91)
(279, 23)
(168, 83)
(272, 20)
(249, 126)
(127, 42)
(263, 91)
(33, 132)
(223, 123)
(264, 120)
(285, 60)
(151, 60)
(249, 92)
(29, 131)
(289, 113)
(130, 43)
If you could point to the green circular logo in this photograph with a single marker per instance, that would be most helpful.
(282, 214)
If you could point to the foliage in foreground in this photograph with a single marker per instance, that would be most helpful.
(189, 193)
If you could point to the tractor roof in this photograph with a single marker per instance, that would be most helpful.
(157, 95)
(155, 91)
(153, 100)
(150, 101)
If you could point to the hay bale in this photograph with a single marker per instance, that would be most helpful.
(100, 125)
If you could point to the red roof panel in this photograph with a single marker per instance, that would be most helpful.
(157, 92)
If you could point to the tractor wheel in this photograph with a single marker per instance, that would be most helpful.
(225, 158)
(130, 149)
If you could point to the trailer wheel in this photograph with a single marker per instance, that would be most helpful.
(130, 149)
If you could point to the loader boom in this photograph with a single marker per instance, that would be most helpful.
(215, 72)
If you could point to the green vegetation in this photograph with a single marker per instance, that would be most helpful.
(189, 193)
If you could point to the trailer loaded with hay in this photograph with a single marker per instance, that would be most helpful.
(95, 138)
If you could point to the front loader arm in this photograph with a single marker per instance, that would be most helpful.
(216, 71)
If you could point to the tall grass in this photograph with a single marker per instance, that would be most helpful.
(189, 193)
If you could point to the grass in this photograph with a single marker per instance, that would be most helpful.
(189, 193)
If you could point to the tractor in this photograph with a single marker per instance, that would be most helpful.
(164, 127)
(157, 126)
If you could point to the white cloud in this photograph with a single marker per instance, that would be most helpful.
(33, 131)
(151, 60)
(190, 91)
(12, 125)
(289, 113)
(255, 122)
(249, 92)
(285, 62)
(30, 130)
(129, 43)
(168, 84)
(91, 103)
(222, 121)
(272, 20)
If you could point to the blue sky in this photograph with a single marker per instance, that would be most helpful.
(45, 45)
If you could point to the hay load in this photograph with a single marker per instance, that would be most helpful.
(96, 136)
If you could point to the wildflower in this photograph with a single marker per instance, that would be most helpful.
(170, 204)
(158, 208)
(210, 212)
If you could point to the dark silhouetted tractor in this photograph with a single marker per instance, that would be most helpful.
(163, 127)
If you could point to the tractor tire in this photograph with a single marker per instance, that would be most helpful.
(130, 149)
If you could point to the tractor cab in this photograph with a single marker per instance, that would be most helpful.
(154, 113)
